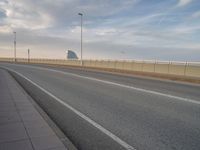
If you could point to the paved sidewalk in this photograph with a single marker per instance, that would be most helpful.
(21, 126)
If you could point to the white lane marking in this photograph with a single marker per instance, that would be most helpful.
(118, 84)
(98, 126)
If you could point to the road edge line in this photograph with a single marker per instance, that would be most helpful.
(98, 126)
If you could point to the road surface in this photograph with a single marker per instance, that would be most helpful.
(107, 111)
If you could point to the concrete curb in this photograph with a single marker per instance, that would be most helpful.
(59, 133)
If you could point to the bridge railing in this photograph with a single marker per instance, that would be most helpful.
(190, 69)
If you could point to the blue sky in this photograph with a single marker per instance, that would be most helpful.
(113, 29)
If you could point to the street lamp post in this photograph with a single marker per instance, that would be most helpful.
(28, 55)
(14, 45)
(81, 38)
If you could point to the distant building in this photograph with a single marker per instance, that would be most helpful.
(71, 55)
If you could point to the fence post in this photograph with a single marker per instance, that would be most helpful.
(168, 67)
(142, 64)
(133, 65)
(123, 64)
(115, 64)
(186, 63)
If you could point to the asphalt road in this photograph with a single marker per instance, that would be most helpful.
(144, 113)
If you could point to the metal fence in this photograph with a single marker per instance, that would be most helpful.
(190, 69)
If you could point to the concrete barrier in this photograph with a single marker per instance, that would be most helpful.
(192, 70)
(7, 59)
(148, 67)
(170, 68)
(128, 65)
(119, 65)
(162, 68)
(177, 69)
(138, 66)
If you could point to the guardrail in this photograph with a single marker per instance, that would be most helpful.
(190, 69)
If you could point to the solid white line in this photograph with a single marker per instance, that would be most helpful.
(102, 129)
(120, 85)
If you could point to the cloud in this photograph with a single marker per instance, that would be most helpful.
(184, 2)
(139, 28)
(106, 7)
(5, 29)
(196, 14)
(37, 14)
(20, 15)
(186, 29)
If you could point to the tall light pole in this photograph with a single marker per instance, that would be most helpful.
(14, 45)
(81, 38)
(28, 55)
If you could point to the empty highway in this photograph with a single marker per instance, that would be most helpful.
(104, 111)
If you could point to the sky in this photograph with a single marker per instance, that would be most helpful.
(112, 29)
